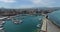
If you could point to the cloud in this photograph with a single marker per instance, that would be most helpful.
(28, 3)
(36, 1)
(26, 6)
(43, 2)
(7, 1)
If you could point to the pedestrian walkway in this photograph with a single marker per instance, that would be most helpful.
(51, 27)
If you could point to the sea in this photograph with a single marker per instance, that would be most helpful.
(55, 17)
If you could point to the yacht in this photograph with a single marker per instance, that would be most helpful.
(17, 21)
(1, 28)
(2, 17)
(2, 22)
(38, 25)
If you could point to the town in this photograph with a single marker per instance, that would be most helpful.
(12, 12)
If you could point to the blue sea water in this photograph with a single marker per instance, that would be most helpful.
(29, 24)
(55, 17)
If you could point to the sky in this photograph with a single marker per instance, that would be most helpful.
(29, 3)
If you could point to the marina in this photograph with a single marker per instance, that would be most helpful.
(29, 15)
(31, 23)
(25, 23)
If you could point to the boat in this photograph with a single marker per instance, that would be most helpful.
(16, 24)
(17, 21)
(1, 17)
(1, 28)
(2, 22)
(38, 25)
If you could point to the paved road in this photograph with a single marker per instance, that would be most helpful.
(51, 27)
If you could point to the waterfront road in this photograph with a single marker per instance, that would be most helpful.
(51, 27)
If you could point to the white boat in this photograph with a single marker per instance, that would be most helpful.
(2, 22)
(38, 25)
(2, 18)
(1, 28)
(17, 21)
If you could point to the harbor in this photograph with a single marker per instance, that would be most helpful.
(22, 23)
(29, 15)
(29, 21)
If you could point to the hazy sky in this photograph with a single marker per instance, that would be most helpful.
(29, 3)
